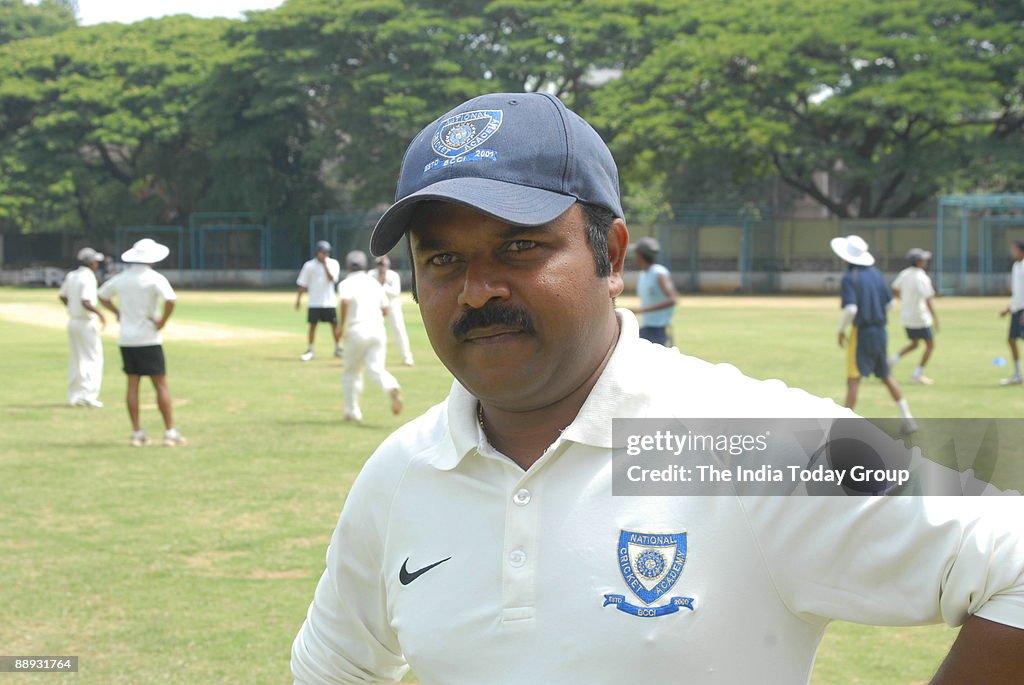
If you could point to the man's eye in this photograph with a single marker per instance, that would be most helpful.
(441, 259)
(521, 245)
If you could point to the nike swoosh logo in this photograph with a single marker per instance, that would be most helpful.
(404, 577)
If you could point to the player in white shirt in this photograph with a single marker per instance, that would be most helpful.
(914, 288)
(85, 363)
(392, 283)
(319, 277)
(144, 303)
(363, 305)
(1015, 309)
(482, 542)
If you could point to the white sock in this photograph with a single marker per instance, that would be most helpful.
(918, 372)
(1016, 365)
(139, 433)
(904, 409)
(893, 359)
(171, 433)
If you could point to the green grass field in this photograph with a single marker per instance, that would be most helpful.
(196, 565)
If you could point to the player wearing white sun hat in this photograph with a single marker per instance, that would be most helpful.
(135, 296)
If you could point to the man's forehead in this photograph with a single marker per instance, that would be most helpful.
(432, 219)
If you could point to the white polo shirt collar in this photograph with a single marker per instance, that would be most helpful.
(620, 391)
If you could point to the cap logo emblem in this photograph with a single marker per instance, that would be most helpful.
(459, 137)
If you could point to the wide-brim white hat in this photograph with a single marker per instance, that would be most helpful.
(853, 250)
(146, 251)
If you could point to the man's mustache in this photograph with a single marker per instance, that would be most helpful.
(503, 315)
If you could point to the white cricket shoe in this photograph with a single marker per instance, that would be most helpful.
(307, 356)
(174, 439)
(138, 439)
(339, 351)
(1012, 380)
(921, 380)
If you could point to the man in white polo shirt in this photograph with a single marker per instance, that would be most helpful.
(481, 543)
(139, 291)
(85, 321)
(363, 306)
(318, 277)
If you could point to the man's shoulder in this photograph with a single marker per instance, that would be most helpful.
(412, 445)
(697, 387)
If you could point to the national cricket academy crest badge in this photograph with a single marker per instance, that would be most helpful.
(651, 564)
(458, 138)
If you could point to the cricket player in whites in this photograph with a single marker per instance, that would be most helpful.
(913, 286)
(865, 301)
(362, 306)
(392, 283)
(85, 365)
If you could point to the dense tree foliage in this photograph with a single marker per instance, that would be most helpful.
(893, 98)
(310, 106)
(19, 19)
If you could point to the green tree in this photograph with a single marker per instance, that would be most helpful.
(891, 98)
(19, 19)
(94, 124)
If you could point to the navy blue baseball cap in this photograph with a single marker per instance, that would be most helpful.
(523, 158)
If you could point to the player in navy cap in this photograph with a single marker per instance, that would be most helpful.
(319, 277)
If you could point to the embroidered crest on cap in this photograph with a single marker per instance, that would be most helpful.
(651, 564)
(458, 138)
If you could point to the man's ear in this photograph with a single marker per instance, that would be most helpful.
(618, 242)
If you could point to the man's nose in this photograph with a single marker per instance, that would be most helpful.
(483, 283)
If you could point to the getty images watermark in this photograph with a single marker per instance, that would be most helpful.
(816, 456)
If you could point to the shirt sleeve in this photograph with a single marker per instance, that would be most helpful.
(927, 289)
(392, 284)
(163, 287)
(895, 560)
(303, 279)
(897, 283)
(847, 293)
(89, 290)
(347, 637)
(108, 289)
(345, 290)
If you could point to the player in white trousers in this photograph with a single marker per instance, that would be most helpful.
(362, 307)
(392, 283)
(85, 365)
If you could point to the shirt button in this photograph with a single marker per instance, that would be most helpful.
(522, 498)
(517, 558)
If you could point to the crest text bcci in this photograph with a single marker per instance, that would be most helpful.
(651, 564)
(458, 138)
